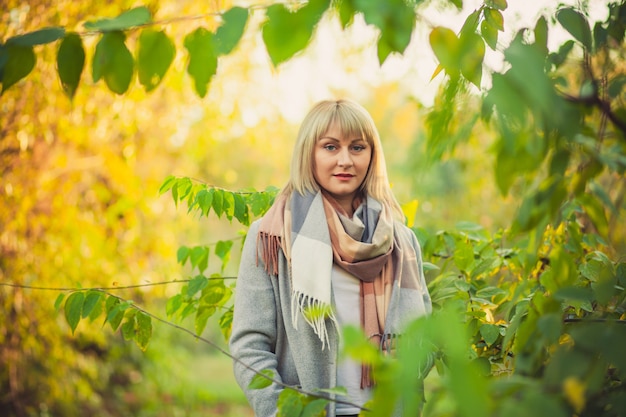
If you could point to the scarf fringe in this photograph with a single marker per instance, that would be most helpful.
(316, 317)
(269, 245)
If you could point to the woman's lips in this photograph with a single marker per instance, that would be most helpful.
(344, 177)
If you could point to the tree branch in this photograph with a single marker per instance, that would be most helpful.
(602, 105)
(114, 287)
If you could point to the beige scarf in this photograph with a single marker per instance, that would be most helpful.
(313, 232)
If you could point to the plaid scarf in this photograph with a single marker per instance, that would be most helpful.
(314, 231)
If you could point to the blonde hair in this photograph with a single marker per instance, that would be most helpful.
(353, 120)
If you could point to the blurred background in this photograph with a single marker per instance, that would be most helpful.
(79, 201)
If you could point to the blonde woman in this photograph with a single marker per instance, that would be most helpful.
(333, 243)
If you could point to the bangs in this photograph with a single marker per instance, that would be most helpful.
(351, 123)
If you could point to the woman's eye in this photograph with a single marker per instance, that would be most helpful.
(330, 147)
(358, 148)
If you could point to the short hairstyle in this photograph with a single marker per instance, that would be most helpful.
(353, 120)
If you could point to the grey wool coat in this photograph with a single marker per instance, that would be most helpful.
(264, 338)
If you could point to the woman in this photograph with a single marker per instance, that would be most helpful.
(330, 252)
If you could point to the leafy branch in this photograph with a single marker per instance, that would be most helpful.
(116, 65)
(135, 323)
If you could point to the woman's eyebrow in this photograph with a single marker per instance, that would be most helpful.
(337, 140)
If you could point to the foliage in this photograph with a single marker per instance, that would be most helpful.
(529, 319)
(114, 62)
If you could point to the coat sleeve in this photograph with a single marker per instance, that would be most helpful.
(254, 330)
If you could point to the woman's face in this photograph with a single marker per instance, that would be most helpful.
(340, 164)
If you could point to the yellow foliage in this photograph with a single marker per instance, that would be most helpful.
(574, 391)
(410, 209)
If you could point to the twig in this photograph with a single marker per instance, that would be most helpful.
(115, 287)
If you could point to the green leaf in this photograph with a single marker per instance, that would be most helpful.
(427, 266)
(357, 346)
(218, 198)
(289, 404)
(395, 20)
(616, 86)
(202, 59)
(38, 37)
(336, 391)
(73, 309)
(494, 18)
(464, 255)
(286, 33)
(113, 61)
(222, 249)
(192, 197)
(445, 45)
(497, 4)
(596, 212)
(562, 272)
(482, 365)
(228, 204)
(91, 300)
(315, 408)
(549, 325)
(600, 35)
(204, 200)
(489, 292)
(154, 57)
(241, 209)
(524, 88)
(346, 12)
(229, 33)
(144, 330)
(226, 323)
(472, 50)
(169, 182)
(70, 63)
(173, 304)
(569, 294)
(196, 284)
(489, 34)
(128, 329)
(4, 58)
(576, 24)
(202, 316)
(130, 18)
(260, 380)
(521, 310)
(114, 313)
(559, 57)
(259, 202)
(541, 35)
(189, 308)
(20, 61)
(559, 162)
(489, 333)
(182, 189)
(59, 301)
(471, 23)
(216, 293)
(182, 254)
(199, 257)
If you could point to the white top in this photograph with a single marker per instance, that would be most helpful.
(346, 289)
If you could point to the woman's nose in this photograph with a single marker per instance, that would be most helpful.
(344, 158)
